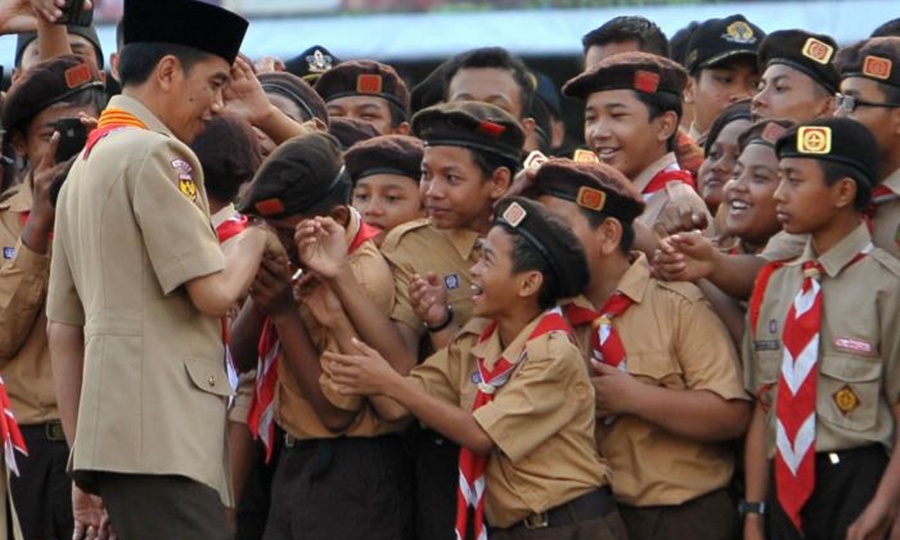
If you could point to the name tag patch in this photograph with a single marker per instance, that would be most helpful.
(853, 345)
(9, 252)
(766, 345)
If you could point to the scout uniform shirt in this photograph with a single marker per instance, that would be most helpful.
(132, 227)
(419, 247)
(541, 420)
(656, 197)
(859, 345)
(673, 339)
(24, 355)
(295, 414)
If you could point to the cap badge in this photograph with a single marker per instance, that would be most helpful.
(590, 198)
(491, 129)
(846, 400)
(772, 132)
(78, 75)
(877, 67)
(817, 51)
(814, 140)
(739, 32)
(585, 156)
(319, 62)
(369, 83)
(269, 207)
(691, 57)
(646, 81)
(514, 214)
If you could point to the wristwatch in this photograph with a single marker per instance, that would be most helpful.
(444, 324)
(745, 508)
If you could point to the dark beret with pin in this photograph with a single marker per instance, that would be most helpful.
(471, 124)
(363, 78)
(350, 131)
(297, 91)
(877, 59)
(638, 71)
(811, 54)
(399, 155)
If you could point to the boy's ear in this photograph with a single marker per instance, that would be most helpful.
(844, 192)
(500, 180)
(340, 214)
(530, 283)
(668, 124)
(609, 234)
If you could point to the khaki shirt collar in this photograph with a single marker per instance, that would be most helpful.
(463, 240)
(643, 180)
(837, 258)
(636, 279)
(892, 182)
(22, 200)
(491, 350)
(135, 107)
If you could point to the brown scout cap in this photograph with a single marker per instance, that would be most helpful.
(638, 71)
(386, 154)
(877, 59)
(298, 91)
(363, 78)
(471, 124)
(349, 131)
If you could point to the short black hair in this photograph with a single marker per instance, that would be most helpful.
(496, 58)
(594, 220)
(138, 60)
(659, 103)
(649, 37)
(526, 257)
(833, 171)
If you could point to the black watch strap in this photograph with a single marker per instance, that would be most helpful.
(752, 508)
(444, 324)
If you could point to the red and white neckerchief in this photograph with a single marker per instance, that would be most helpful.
(795, 401)
(881, 194)
(234, 225)
(472, 466)
(261, 418)
(9, 430)
(663, 177)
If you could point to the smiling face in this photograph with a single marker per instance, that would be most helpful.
(457, 194)
(495, 285)
(617, 127)
(196, 96)
(750, 196)
(387, 200)
(718, 167)
(371, 109)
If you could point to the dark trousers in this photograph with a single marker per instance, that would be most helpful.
(42, 493)
(709, 517)
(845, 484)
(346, 488)
(437, 478)
(151, 507)
(590, 517)
(253, 508)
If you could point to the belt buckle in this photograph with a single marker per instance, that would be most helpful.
(541, 520)
(54, 431)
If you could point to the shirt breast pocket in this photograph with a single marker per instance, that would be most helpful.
(658, 368)
(848, 391)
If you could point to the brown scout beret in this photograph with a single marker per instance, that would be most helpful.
(877, 59)
(349, 131)
(229, 153)
(46, 83)
(638, 71)
(471, 124)
(297, 176)
(363, 78)
(386, 154)
(551, 238)
(298, 91)
(597, 187)
(764, 132)
(811, 54)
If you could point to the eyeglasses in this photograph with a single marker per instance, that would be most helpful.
(847, 104)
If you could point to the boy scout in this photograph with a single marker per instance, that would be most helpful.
(368, 91)
(721, 60)
(632, 109)
(342, 471)
(60, 88)
(799, 80)
(822, 352)
(386, 171)
(138, 284)
(667, 399)
(511, 389)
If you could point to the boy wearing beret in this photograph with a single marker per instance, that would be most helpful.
(664, 369)
(511, 388)
(632, 110)
(367, 90)
(386, 171)
(341, 473)
(799, 79)
(63, 87)
(822, 352)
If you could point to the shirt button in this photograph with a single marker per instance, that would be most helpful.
(211, 381)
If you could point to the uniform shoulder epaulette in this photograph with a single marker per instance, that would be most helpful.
(886, 260)
(685, 289)
(396, 234)
(759, 291)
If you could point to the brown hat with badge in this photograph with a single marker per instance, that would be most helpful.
(764, 132)
(718, 40)
(349, 131)
(297, 177)
(475, 125)
(400, 155)
(550, 237)
(877, 59)
(364, 78)
(191, 23)
(839, 140)
(642, 72)
(811, 54)
(298, 92)
(49, 82)
(596, 187)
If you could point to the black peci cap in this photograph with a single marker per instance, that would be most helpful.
(717, 40)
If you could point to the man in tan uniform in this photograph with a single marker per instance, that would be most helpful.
(665, 372)
(59, 88)
(138, 284)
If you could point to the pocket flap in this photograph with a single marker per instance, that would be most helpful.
(851, 368)
(208, 376)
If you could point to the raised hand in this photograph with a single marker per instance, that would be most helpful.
(428, 297)
(322, 246)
